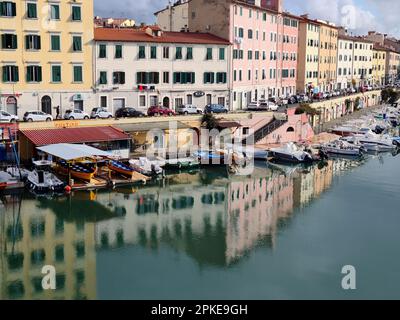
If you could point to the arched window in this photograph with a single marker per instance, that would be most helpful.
(290, 129)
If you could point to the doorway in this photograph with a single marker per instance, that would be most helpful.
(165, 102)
(46, 104)
(11, 105)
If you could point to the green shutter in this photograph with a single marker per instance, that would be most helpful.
(118, 51)
(212, 77)
(15, 73)
(224, 77)
(122, 79)
(205, 77)
(32, 11)
(27, 43)
(39, 74)
(13, 9)
(55, 12)
(55, 43)
(221, 53)
(193, 77)
(14, 41)
(28, 74)
(175, 76)
(5, 74)
(37, 41)
(76, 13)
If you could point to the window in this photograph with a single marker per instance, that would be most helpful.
(56, 73)
(118, 77)
(221, 77)
(166, 52)
(76, 43)
(55, 43)
(209, 54)
(8, 9)
(189, 54)
(8, 41)
(189, 99)
(142, 101)
(147, 78)
(10, 74)
(31, 11)
(118, 51)
(142, 52)
(102, 51)
(250, 34)
(178, 54)
(208, 77)
(166, 77)
(250, 55)
(54, 12)
(241, 32)
(221, 53)
(80, 249)
(103, 77)
(184, 77)
(78, 77)
(59, 253)
(76, 13)
(37, 256)
(34, 74)
(153, 52)
(32, 42)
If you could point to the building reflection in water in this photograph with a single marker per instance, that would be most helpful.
(32, 237)
(218, 223)
(215, 219)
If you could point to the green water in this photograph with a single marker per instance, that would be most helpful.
(278, 234)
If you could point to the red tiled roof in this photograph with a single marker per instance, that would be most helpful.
(45, 137)
(131, 35)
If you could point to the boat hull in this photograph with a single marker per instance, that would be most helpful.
(284, 157)
(121, 168)
(86, 176)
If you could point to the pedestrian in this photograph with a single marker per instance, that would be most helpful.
(57, 112)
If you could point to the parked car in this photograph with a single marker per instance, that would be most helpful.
(215, 108)
(6, 117)
(254, 105)
(188, 109)
(129, 113)
(100, 113)
(160, 111)
(293, 99)
(318, 96)
(302, 98)
(272, 106)
(75, 115)
(326, 95)
(31, 116)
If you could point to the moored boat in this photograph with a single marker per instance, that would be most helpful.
(146, 166)
(77, 171)
(291, 153)
(343, 148)
(41, 180)
(182, 163)
(121, 168)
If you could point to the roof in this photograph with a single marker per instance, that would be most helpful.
(304, 18)
(68, 151)
(229, 124)
(353, 38)
(139, 127)
(45, 137)
(132, 35)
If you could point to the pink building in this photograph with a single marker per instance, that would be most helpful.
(264, 50)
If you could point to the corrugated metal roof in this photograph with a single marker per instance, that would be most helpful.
(45, 137)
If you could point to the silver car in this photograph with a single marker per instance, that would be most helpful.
(188, 109)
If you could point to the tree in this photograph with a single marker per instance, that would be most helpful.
(306, 108)
(209, 121)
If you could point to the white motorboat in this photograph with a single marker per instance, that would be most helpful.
(145, 166)
(290, 152)
(41, 180)
(343, 148)
(373, 142)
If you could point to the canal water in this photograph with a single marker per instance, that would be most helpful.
(282, 233)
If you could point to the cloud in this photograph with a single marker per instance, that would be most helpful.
(140, 10)
(360, 16)
(356, 15)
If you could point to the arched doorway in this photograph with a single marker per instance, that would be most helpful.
(46, 104)
(11, 105)
(166, 102)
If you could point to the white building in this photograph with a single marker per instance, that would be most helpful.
(143, 68)
(345, 62)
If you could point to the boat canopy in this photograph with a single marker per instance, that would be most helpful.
(67, 151)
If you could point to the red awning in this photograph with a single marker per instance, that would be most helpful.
(45, 137)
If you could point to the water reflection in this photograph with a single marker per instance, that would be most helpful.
(214, 218)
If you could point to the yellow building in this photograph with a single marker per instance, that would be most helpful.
(45, 55)
(317, 63)
(308, 56)
(378, 65)
(328, 36)
(32, 237)
(362, 62)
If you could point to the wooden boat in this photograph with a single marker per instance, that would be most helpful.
(121, 168)
(78, 171)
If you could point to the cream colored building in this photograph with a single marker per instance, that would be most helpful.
(328, 38)
(45, 55)
(362, 62)
(345, 62)
(175, 17)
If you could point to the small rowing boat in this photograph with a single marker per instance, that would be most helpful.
(121, 168)
(78, 171)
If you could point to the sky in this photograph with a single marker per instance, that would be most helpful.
(359, 16)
